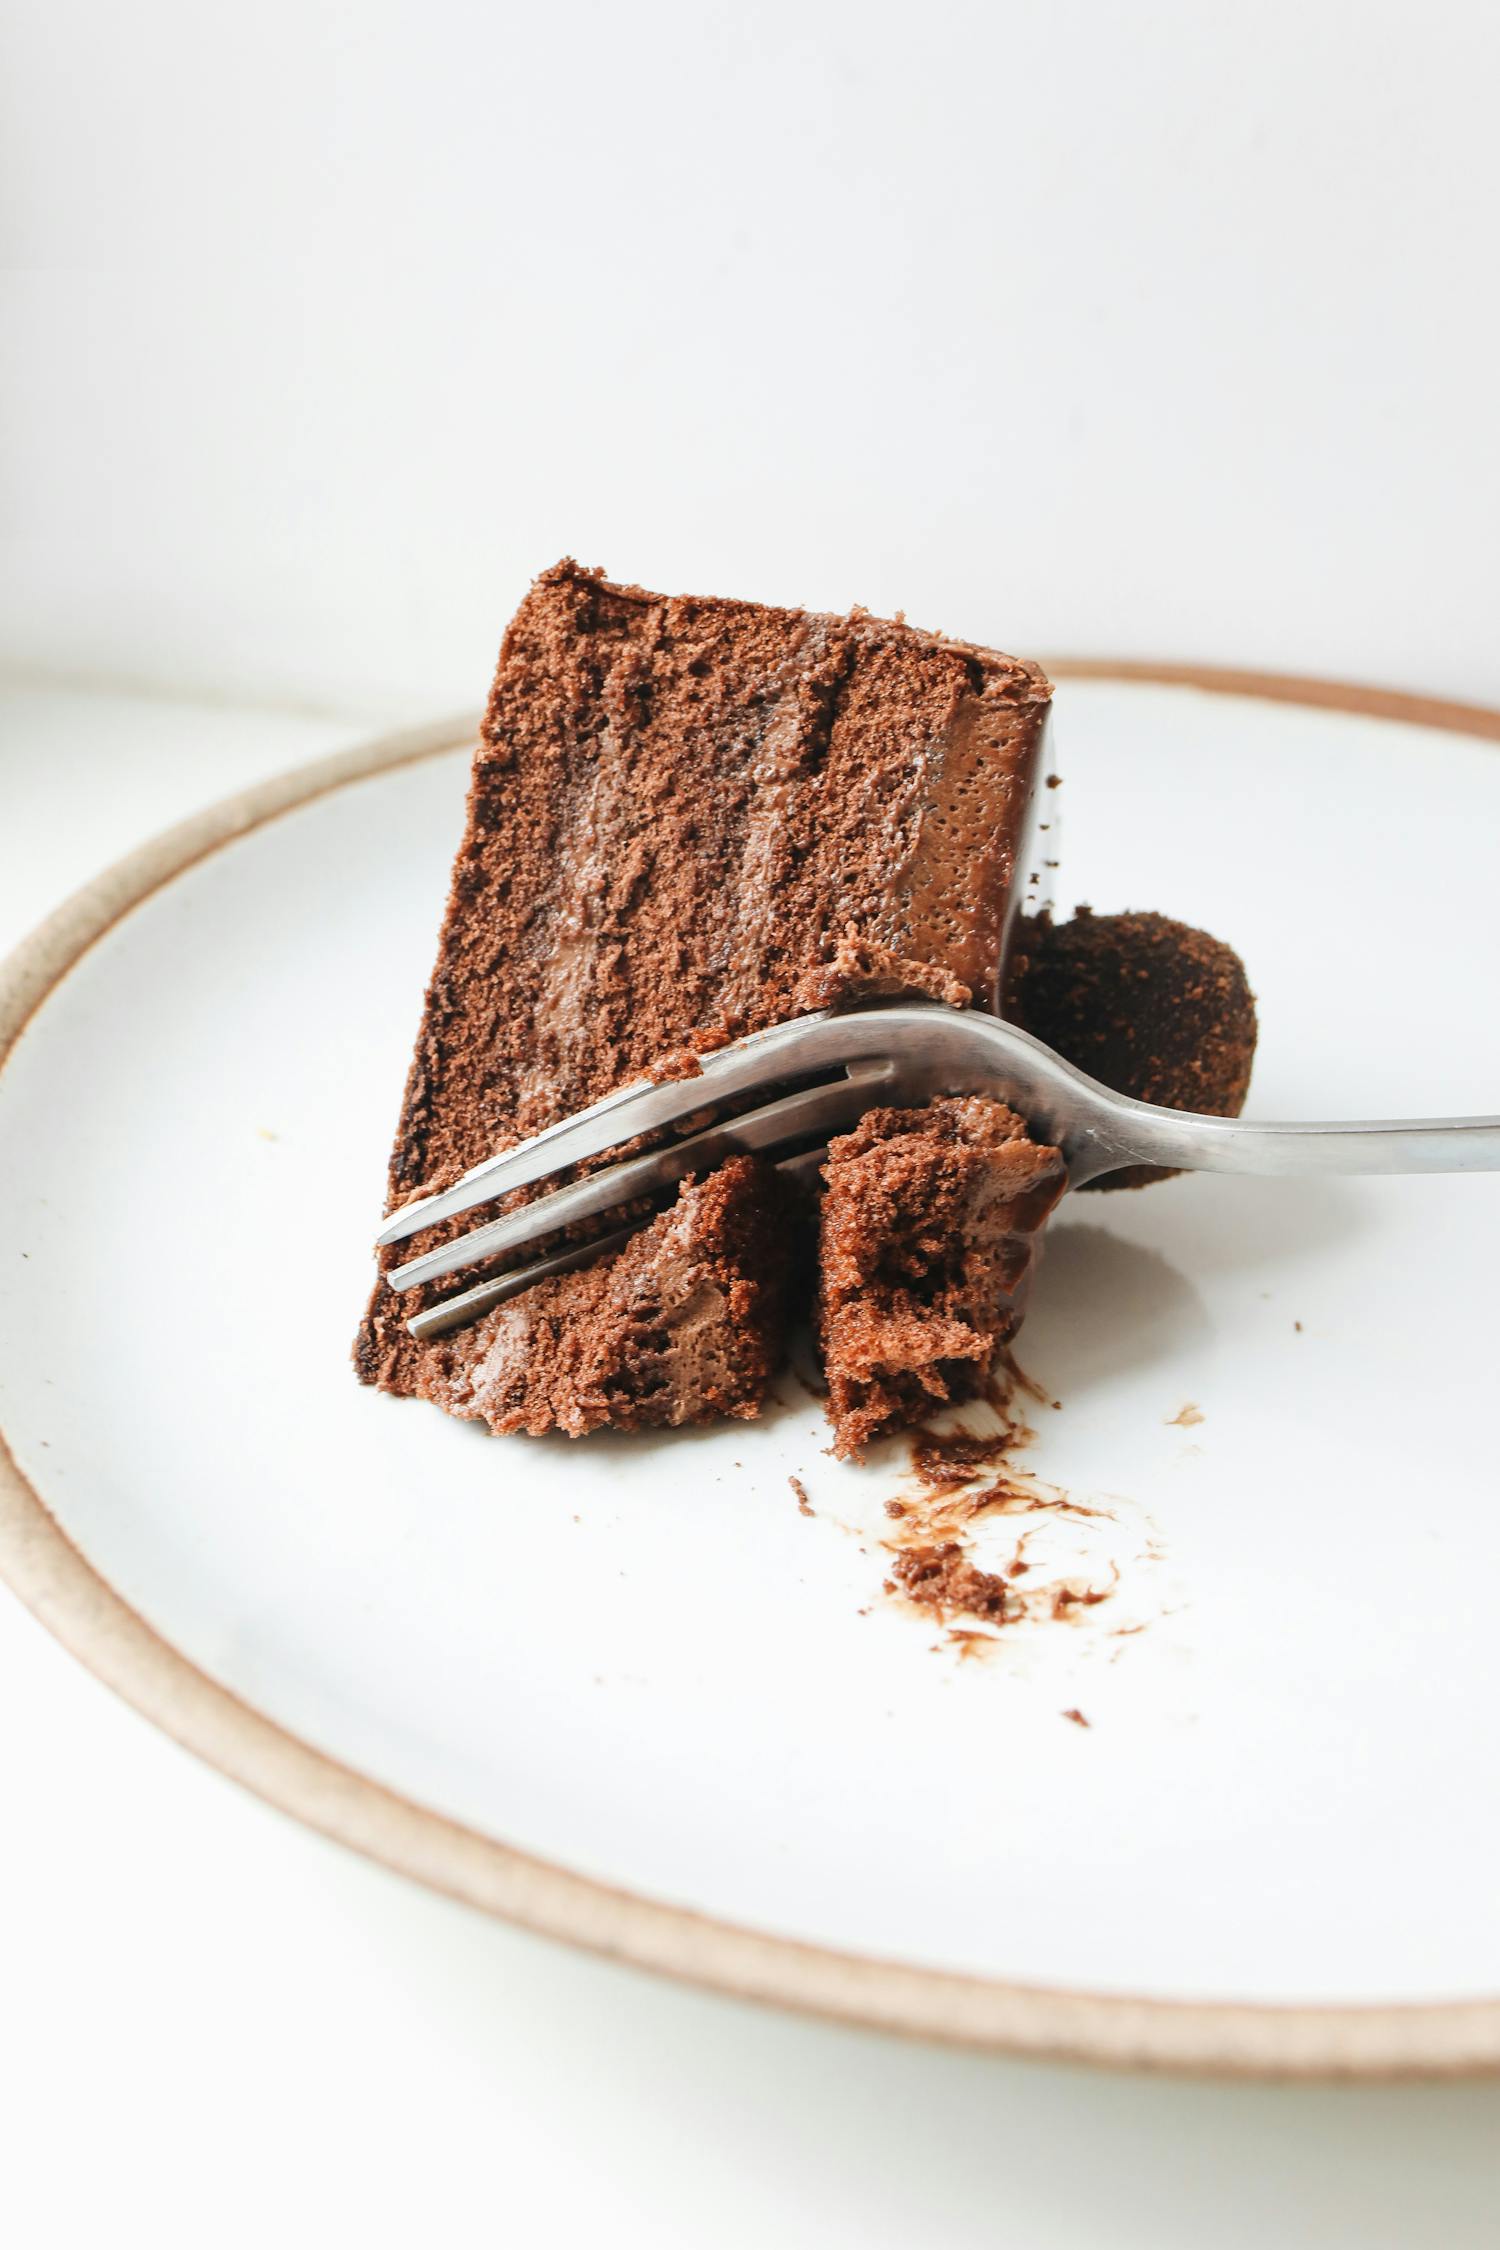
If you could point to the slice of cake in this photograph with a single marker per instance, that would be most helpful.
(929, 1227)
(688, 819)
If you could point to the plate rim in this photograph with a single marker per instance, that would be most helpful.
(62, 1588)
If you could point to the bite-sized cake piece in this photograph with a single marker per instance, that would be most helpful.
(1150, 1007)
(929, 1229)
(682, 814)
(681, 1325)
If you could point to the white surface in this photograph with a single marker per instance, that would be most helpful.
(1158, 328)
(1317, 1642)
(209, 2011)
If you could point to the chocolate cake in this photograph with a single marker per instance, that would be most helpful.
(929, 1224)
(688, 819)
(1150, 1007)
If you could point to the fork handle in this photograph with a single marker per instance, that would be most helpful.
(1142, 1134)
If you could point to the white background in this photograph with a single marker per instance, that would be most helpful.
(1148, 329)
(1167, 328)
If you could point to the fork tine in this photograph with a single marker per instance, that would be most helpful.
(808, 1043)
(815, 1110)
(457, 1312)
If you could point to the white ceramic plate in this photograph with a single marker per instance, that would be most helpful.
(625, 1690)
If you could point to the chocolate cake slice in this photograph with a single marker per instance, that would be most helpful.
(929, 1227)
(688, 819)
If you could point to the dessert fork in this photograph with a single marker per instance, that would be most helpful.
(821, 1072)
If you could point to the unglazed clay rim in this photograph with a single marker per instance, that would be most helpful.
(57, 1582)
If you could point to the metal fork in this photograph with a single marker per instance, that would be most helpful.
(822, 1072)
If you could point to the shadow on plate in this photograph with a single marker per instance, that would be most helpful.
(1103, 1304)
(1106, 1301)
(1211, 1224)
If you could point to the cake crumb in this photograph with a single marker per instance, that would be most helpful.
(678, 1062)
(947, 1459)
(942, 1579)
(1186, 1418)
(861, 970)
(1298, 1326)
(799, 1489)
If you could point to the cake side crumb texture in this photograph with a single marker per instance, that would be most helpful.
(929, 1226)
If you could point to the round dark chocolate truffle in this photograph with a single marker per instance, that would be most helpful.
(1149, 1007)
